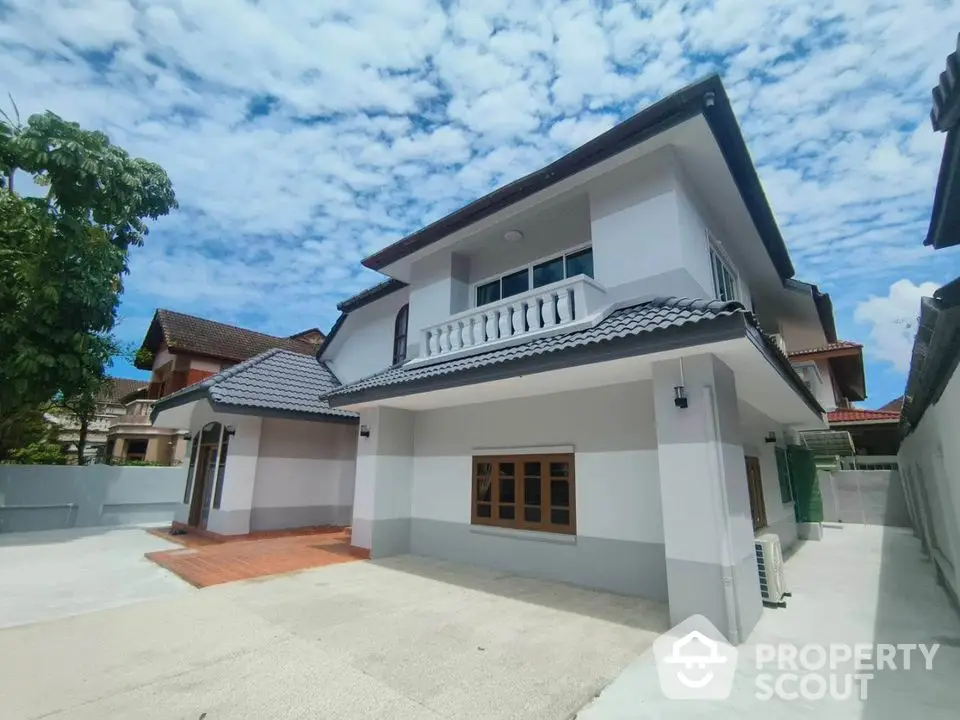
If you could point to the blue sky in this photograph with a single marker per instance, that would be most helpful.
(301, 136)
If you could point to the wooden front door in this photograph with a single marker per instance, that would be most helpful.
(755, 487)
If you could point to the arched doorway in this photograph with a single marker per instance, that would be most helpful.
(207, 462)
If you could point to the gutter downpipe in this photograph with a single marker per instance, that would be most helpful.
(726, 549)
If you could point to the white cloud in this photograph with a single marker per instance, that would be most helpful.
(385, 115)
(893, 321)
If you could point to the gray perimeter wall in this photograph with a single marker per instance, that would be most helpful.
(49, 497)
(865, 497)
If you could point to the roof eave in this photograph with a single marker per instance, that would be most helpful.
(706, 97)
(278, 413)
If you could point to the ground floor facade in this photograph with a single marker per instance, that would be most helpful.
(612, 487)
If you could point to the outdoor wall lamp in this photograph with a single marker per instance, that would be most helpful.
(680, 396)
(364, 431)
(771, 437)
(679, 391)
(230, 430)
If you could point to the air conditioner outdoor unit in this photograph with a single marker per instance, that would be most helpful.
(773, 589)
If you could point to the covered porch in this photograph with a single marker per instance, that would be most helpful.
(643, 474)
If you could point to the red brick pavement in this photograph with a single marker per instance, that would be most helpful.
(204, 561)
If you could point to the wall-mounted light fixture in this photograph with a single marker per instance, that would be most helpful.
(680, 396)
(680, 392)
(513, 236)
(364, 431)
(771, 437)
(188, 437)
(230, 430)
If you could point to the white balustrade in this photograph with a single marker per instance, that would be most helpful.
(545, 308)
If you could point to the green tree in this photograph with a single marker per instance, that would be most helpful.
(27, 438)
(63, 255)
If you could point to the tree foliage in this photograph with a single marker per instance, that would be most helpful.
(63, 255)
(27, 438)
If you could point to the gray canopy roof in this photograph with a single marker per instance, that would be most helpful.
(276, 383)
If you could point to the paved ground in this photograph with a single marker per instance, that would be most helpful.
(400, 638)
(51, 574)
(203, 562)
(859, 585)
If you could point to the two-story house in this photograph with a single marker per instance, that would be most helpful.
(584, 382)
(581, 376)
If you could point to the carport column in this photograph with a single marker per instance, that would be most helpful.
(707, 526)
(384, 484)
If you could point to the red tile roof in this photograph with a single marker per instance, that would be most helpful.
(829, 347)
(852, 415)
(194, 335)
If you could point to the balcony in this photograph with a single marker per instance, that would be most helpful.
(138, 413)
(562, 306)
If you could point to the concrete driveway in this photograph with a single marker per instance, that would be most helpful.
(401, 638)
(51, 574)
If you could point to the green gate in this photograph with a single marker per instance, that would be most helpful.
(808, 505)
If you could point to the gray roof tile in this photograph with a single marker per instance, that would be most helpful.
(277, 381)
(650, 316)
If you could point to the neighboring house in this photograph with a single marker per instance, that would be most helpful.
(111, 407)
(873, 432)
(583, 375)
(181, 350)
(929, 455)
(835, 374)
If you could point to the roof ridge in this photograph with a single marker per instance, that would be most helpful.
(228, 325)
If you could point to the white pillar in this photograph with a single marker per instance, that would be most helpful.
(384, 482)
(707, 526)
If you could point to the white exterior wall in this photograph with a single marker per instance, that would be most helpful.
(611, 430)
(305, 474)
(546, 234)
(364, 344)
(929, 460)
(781, 518)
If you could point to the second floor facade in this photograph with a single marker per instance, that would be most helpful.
(646, 210)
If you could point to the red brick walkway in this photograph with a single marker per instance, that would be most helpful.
(204, 561)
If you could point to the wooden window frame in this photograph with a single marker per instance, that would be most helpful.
(518, 522)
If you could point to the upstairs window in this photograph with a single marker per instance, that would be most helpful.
(725, 285)
(400, 335)
(567, 265)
